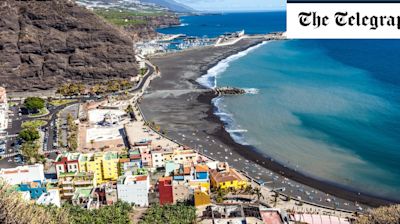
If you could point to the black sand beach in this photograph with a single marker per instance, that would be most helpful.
(183, 108)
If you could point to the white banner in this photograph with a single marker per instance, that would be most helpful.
(343, 20)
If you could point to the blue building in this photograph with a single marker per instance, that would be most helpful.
(201, 172)
(35, 189)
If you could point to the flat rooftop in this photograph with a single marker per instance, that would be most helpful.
(138, 132)
(97, 115)
(100, 133)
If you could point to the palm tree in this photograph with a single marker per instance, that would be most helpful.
(258, 193)
(276, 195)
(220, 195)
(248, 189)
(92, 142)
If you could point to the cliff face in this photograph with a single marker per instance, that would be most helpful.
(46, 43)
(147, 30)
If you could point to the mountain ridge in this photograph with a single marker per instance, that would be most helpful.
(44, 44)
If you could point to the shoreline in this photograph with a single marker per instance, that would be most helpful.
(249, 152)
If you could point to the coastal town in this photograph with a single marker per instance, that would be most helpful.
(120, 156)
(95, 149)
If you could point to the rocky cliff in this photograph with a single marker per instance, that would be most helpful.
(147, 30)
(44, 44)
(139, 24)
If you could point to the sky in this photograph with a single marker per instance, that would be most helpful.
(235, 5)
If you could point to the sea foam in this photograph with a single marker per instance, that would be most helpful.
(252, 90)
(209, 80)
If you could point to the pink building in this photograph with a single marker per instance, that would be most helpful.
(145, 153)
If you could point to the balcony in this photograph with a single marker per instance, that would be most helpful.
(67, 188)
(68, 194)
(66, 182)
(83, 182)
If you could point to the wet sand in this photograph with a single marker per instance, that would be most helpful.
(183, 109)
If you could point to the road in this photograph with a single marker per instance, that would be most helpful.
(50, 129)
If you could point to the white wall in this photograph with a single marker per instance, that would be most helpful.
(23, 174)
(134, 192)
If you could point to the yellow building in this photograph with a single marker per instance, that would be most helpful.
(227, 178)
(103, 165)
(200, 183)
(201, 197)
(110, 166)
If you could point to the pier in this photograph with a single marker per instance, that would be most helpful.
(226, 41)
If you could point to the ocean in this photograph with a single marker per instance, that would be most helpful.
(328, 108)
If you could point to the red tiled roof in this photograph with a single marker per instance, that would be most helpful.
(225, 176)
(141, 178)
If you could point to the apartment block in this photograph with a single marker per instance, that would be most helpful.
(69, 182)
(134, 189)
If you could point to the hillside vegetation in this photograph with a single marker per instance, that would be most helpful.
(141, 25)
(382, 215)
(14, 210)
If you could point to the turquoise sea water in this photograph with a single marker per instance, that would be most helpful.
(328, 108)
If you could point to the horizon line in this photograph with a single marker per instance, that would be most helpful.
(241, 11)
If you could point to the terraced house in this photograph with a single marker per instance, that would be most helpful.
(224, 177)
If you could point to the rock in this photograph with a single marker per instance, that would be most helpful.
(229, 91)
(147, 30)
(44, 44)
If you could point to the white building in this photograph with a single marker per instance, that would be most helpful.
(186, 157)
(25, 195)
(134, 189)
(52, 197)
(160, 156)
(22, 174)
(3, 110)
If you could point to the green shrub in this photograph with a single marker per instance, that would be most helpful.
(34, 103)
(29, 134)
